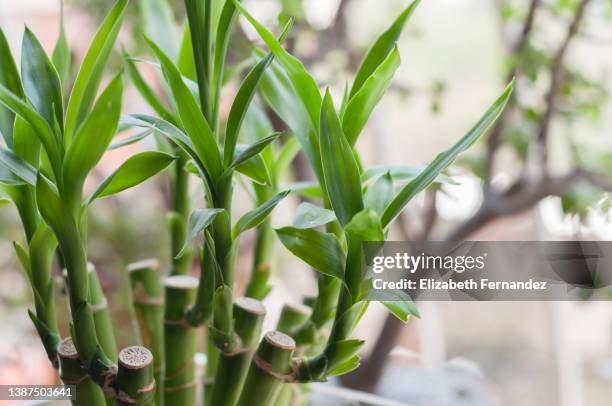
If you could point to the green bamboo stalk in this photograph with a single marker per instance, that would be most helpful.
(135, 384)
(179, 217)
(101, 314)
(179, 341)
(258, 287)
(92, 356)
(292, 317)
(37, 263)
(316, 367)
(148, 301)
(232, 368)
(271, 365)
(88, 393)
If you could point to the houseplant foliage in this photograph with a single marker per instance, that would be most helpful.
(356, 205)
(49, 152)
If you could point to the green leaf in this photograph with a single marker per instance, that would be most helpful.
(311, 216)
(199, 15)
(8, 178)
(401, 173)
(132, 172)
(90, 74)
(402, 309)
(20, 168)
(304, 84)
(185, 62)
(397, 301)
(443, 160)
(36, 121)
(131, 139)
(341, 352)
(360, 106)
(255, 167)
(93, 136)
(310, 189)
(172, 133)
(322, 251)
(381, 48)
(241, 104)
(366, 226)
(163, 127)
(146, 92)
(226, 24)
(341, 172)
(159, 25)
(253, 150)
(24, 260)
(9, 78)
(199, 220)
(285, 156)
(40, 80)
(51, 207)
(257, 215)
(345, 368)
(25, 142)
(194, 123)
(61, 53)
(380, 193)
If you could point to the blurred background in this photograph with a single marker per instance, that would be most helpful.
(543, 173)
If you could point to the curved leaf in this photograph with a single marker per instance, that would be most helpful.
(146, 92)
(90, 74)
(401, 173)
(366, 226)
(322, 251)
(61, 53)
(381, 48)
(132, 172)
(51, 207)
(305, 85)
(37, 122)
(380, 193)
(255, 167)
(9, 77)
(156, 14)
(444, 159)
(257, 215)
(199, 220)
(93, 136)
(40, 80)
(25, 142)
(20, 168)
(194, 122)
(241, 105)
(340, 169)
(311, 216)
(360, 107)
(253, 150)
(227, 20)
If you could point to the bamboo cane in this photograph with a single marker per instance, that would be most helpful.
(88, 393)
(179, 341)
(232, 368)
(135, 384)
(148, 301)
(271, 365)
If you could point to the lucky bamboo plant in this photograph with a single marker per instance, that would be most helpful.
(360, 212)
(49, 153)
(51, 150)
(193, 124)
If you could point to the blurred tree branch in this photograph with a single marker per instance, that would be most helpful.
(535, 184)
